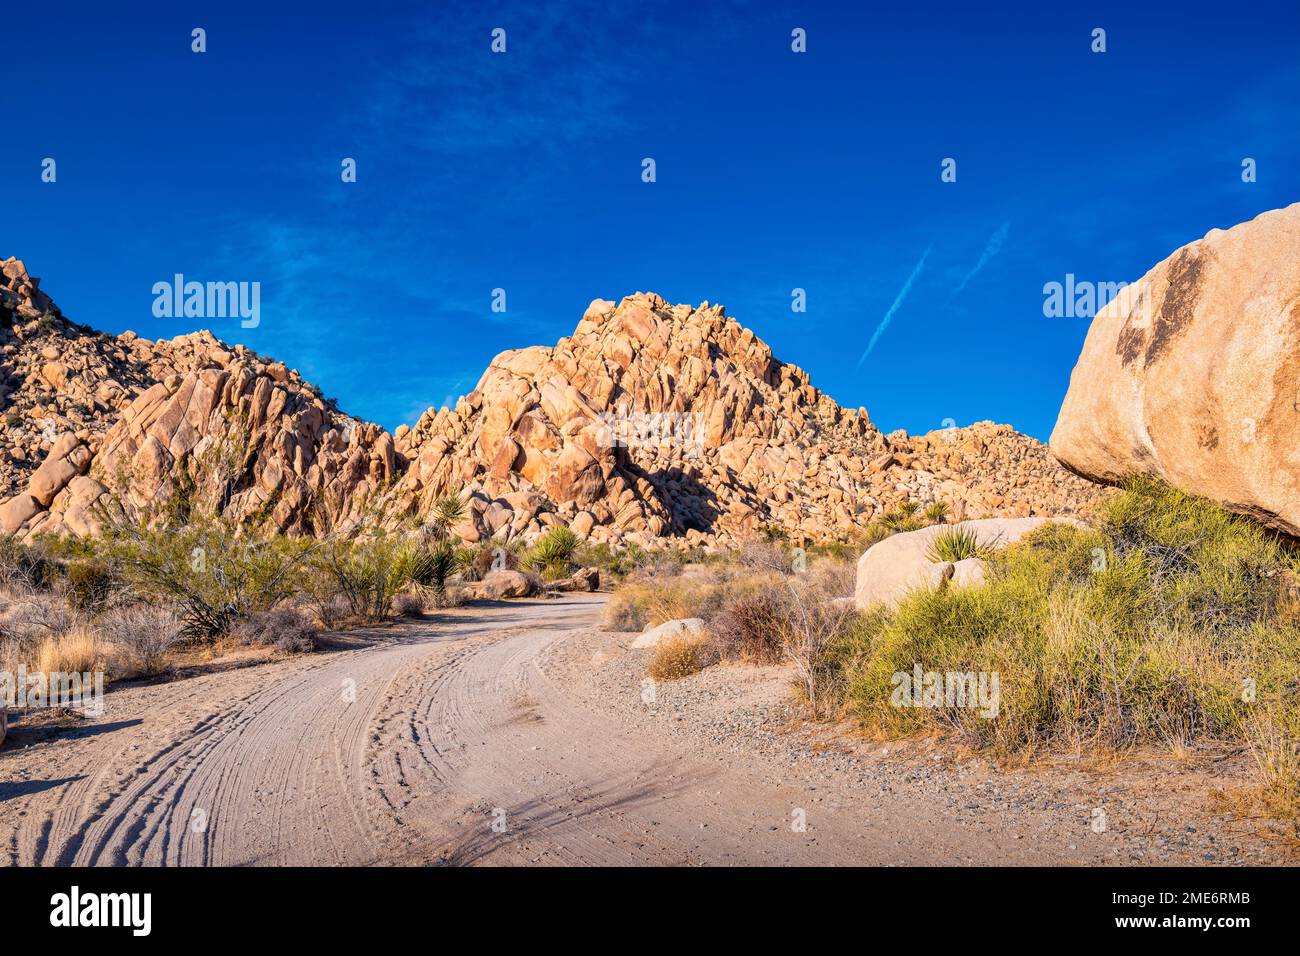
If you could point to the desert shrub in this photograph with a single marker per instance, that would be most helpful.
(794, 619)
(765, 556)
(956, 544)
(750, 627)
(1198, 563)
(408, 605)
(212, 577)
(369, 573)
(90, 583)
(493, 555)
(654, 565)
(140, 636)
(678, 656)
(317, 593)
(646, 602)
(284, 628)
(451, 596)
(29, 617)
(662, 589)
(26, 566)
(625, 611)
(836, 550)
(612, 564)
(820, 616)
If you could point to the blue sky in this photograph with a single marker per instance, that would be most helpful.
(522, 171)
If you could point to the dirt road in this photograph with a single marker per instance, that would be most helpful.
(501, 734)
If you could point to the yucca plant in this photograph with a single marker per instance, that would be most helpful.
(446, 514)
(431, 567)
(552, 555)
(936, 512)
(902, 517)
(956, 544)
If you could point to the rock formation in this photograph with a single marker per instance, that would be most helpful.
(651, 423)
(1192, 375)
(654, 420)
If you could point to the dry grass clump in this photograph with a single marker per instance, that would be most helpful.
(1273, 734)
(680, 655)
(76, 651)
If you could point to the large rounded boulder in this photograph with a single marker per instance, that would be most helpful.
(1192, 375)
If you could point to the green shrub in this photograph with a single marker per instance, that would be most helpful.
(432, 565)
(213, 577)
(370, 572)
(90, 583)
(1144, 630)
(902, 517)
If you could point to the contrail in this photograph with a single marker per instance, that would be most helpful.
(993, 247)
(898, 300)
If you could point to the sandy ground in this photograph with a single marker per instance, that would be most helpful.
(516, 733)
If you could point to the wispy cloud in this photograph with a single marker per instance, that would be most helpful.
(898, 301)
(991, 249)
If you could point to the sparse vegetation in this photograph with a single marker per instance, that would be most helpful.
(749, 627)
(408, 605)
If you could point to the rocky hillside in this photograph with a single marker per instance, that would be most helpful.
(650, 422)
(120, 422)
